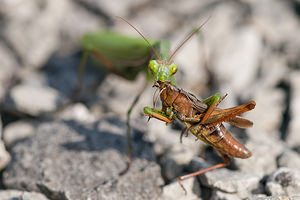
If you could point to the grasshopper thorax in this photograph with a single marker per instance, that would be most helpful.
(162, 70)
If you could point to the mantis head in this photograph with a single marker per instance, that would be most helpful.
(162, 70)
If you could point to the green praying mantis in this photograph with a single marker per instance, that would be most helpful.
(202, 118)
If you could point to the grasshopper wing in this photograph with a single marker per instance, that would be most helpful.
(220, 115)
(240, 122)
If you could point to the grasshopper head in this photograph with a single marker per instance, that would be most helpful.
(162, 70)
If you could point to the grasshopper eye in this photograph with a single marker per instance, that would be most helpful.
(153, 66)
(173, 68)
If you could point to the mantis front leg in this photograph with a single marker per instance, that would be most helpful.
(165, 116)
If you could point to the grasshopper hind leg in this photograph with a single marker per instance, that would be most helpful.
(213, 102)
(226, 162)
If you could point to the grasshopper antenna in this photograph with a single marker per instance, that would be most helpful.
(141, 35)
(188, 37)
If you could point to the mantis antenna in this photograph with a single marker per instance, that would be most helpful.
(141, 35)
(188, 37)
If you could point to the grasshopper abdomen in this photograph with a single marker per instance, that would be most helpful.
(225, 143)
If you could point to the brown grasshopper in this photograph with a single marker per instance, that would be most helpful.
(204, 120)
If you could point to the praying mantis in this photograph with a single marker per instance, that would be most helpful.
(202, 118)
(127, 56)
(124, 56)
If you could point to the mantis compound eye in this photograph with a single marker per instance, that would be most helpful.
(173, 68)
(153, 65)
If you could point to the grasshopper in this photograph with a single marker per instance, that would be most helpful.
(204, 120)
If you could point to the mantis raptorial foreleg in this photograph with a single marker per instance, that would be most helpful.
(212, 102)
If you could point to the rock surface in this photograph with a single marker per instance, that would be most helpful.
(294, 127)
(173, 189)
(77, 112)
(16, 194)
(239, 183)
(33, 99)
(279, 197)
(17, 131)
(8, 70)
(284, 181)
(41, 20)
(80, 162)
(4, 155)
(290, 159)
